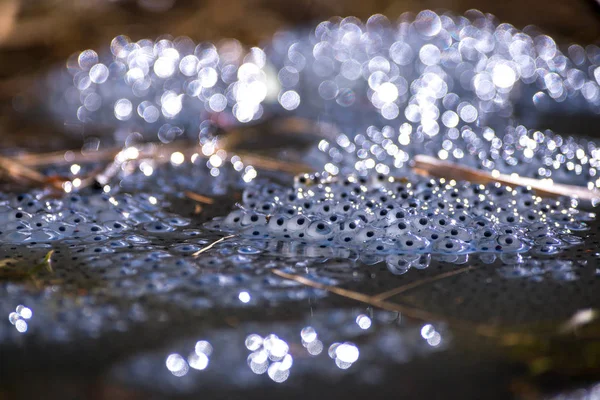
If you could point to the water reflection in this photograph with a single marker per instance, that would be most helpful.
(539, 270)
(198, 359)
(19, 318)
(286, 351)
(177, 365)
(344, 354)
(363, 321)
(433, 337)
(270, 356)
(244, 297)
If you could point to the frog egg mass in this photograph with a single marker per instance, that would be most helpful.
(385, 215)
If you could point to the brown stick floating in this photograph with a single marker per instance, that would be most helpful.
(412, 285)
(449, 170)
(406, 310)
(198, 197)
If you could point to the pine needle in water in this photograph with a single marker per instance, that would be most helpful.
(211, 245)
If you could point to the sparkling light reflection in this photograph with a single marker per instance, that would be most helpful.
(271, 355)
(19, 316)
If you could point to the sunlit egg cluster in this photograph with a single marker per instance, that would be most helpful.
(449, 92)
(271, 355)
(344, 354)
(198, 359)
(216, 160)
(440, 84)
(530, 153)
(19, 318)
(178, 172)
(170, 84)
(389, 217)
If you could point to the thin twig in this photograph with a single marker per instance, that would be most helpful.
(406, 310)
(8, 18)
(272, 164)
(210, 246)
(198, 197)
(66, 157)
(544, 187)
(22, 174)
(488, 331)
(157, 151)
(18, 171)
(412, 285)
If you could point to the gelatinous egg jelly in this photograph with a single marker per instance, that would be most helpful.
(385, 215)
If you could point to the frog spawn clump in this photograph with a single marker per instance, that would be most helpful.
(132, 259)
(111, 221)
(388, 216)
